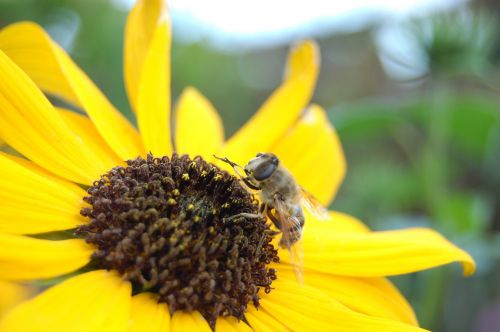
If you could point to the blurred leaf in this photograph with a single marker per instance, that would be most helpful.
(457, 42)
(465, 213)
(394, 186)
(472, 123)
(372, 118)
(473, 119)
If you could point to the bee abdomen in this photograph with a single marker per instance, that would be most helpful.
(294, 232)
(294, 236)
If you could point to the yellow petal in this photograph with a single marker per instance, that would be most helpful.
(371, 296)
(188, 321)
(35, 201)
(198, 127)
(54, 72)
(25, 258)
(12, 294)
(147, 72)
(281, 110)
(312, 152)
(379, 253)
(304, 308)
(261, 321)
(36, 169)
(140, 28)
(339, 223)
(30, 124)
(94, 301)
(17, 219)
(148, 315)
(86, 131)
(231, 324)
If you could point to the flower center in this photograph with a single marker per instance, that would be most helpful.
(162, 223)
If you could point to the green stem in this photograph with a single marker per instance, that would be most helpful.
(431, 304)
(435, 181)
(435, 150)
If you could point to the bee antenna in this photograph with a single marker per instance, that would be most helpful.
(227, 161)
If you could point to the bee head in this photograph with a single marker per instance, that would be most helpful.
(262, 166)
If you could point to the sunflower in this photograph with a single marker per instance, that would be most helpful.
(143, 245)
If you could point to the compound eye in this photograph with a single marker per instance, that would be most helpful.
(264, 171)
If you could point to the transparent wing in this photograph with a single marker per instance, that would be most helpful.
(312, 205)
(289, 225)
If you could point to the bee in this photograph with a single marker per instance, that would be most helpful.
(282, 201)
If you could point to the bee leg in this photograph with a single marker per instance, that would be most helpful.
(259, 246)
(261, 214)
(273, 218)
(249, 184)
(244, 215)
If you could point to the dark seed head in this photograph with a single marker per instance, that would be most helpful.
(162, 224)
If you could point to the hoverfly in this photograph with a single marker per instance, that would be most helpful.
(282, 200)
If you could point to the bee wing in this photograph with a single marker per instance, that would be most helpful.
(294, 248)
(312, 205)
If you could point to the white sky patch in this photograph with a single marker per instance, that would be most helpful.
(399, 52)
(239, 25)
(261, 16)
(258, 23)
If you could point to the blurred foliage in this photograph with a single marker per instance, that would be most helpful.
(432, 158)
(420, 153)
(452, 185)
(460, 41)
